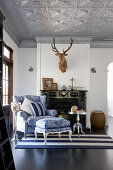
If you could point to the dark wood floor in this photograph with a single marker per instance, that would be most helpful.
(65, 159)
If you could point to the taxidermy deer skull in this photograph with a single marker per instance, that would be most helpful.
(61, 56)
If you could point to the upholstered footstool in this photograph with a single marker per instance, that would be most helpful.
(52, 125)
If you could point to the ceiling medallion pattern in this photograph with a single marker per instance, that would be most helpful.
(68, 17)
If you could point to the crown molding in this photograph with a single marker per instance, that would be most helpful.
(2, 16)
(64, 39)
(101, 44)
(28, 44)
(11, 35)
(59, 40)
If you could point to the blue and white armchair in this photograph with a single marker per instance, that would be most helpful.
(27, 123)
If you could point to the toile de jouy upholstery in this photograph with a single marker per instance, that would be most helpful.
(27, 123)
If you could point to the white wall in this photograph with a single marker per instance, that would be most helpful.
(100, 59)
(27, 81)
(78, 61)
(24, 82)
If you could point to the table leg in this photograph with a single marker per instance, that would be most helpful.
(70, 133)
(74, 127)
(81, 129)
(78, 124)
(78, 128)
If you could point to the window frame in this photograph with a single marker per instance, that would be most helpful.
(6, 64)
(9, 62)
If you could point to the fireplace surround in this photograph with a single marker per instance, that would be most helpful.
(63, 100)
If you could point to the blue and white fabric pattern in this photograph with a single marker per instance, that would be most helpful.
(37, 109)
(31, 121)
(32, 98)
(52, 112)
(27, 123)
(55, 130)
(52, 122)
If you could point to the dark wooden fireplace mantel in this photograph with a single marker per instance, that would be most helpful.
(63, 100)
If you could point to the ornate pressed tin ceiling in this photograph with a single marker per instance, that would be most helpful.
(84, 18)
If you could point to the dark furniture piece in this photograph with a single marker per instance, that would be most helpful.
(63, 100)
(6, 111)
(6, 157)
(1, 49)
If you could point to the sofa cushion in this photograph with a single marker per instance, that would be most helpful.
(26, 106)
(52, 122)
(32, 98)
(37, 109)
(31, 121)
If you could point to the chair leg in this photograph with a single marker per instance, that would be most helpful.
(45, 138)
(24, 135)
(70, 133)
(35, 135)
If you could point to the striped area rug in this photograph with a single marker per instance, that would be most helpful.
(87, 141)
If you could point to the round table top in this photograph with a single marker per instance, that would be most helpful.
(78, 112)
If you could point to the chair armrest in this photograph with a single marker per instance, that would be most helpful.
(23, 114)
(51, 112)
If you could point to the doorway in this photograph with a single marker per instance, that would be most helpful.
(110, 90)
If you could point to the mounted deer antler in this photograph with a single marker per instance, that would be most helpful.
(62, 59)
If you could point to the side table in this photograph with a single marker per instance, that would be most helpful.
(78, 125)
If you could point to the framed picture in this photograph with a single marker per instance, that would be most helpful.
(47, 83)
(54, 86)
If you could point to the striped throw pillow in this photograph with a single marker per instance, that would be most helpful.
(37, 109)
